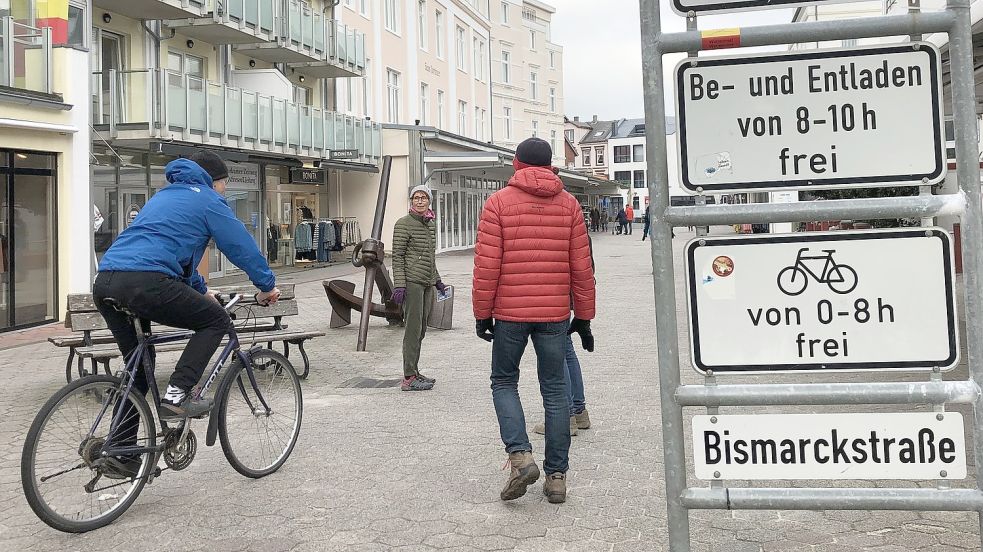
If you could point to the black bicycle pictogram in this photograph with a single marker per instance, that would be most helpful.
(793, 280)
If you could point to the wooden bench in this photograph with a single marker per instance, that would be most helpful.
(92, 342)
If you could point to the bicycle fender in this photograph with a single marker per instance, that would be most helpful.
(220, 394)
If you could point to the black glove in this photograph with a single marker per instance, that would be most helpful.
(582, 327)
(485, 329)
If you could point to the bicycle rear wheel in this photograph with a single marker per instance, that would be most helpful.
(59, 460)
(256, 442)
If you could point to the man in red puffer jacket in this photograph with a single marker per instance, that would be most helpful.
(532, 257)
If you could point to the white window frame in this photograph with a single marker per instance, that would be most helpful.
(462, 117)
(392, 95)
(476, 69)
(532, 40)
(505, 13)
(552, 59)
(440, 109)
(535, 128)
(553, 141)
(424, 103)
(462, 47)
(363, 7)
(552, 99)
(367, 91)
(421, 24)
(507, 115)
(477, 123)
(484, 118)
(533, 78)
(506, 67)
(439, 27)
(585, 156)
(390, 9)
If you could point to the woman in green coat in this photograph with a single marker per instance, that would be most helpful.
(415, 277)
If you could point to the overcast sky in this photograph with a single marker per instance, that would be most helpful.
(602, 56)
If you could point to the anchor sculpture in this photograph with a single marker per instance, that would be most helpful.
(370, 255)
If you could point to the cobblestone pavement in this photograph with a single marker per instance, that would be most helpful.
(378, 469)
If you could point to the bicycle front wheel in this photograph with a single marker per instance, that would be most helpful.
(257, 441)
(65, 477)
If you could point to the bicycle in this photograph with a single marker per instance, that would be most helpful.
(841, 278)
(83, 450)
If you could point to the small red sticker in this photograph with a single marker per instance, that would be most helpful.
(723, 266)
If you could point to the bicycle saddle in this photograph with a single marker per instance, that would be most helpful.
(829, 251)
(113, 303)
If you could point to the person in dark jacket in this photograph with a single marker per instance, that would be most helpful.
(151, 269)
(647, 221)
(595, 220)
(415, 277)
(622, 219)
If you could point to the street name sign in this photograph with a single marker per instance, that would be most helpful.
(700, 7)
(866, 300)
(916, 445)
(859, 117)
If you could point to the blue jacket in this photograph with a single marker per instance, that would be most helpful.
(171, 232)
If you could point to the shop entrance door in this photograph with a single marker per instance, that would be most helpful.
(27, 238)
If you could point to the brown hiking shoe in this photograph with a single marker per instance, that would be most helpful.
(541, 427)
(525, 472)
(583, 420)
(555, 487)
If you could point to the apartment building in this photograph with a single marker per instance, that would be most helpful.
(527, 89)
(44, 155)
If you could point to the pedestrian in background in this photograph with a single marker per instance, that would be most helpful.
(595, 219)
(622, 219)
(517, 296)
(629, 217)
(647, 221)
(415, 277)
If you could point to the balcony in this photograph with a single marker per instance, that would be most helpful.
(230, 22)
(310, 43)
(153, 9)
(140, 106)
(23, 46)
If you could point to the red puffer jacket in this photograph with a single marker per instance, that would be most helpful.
(532, 251)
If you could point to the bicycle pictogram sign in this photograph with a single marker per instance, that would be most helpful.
(793, 280)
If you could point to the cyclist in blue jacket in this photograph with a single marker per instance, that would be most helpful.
(151, 269)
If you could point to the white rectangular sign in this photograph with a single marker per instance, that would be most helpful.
(878, 299)
(830, 446)
(700, 7)
(859, 117)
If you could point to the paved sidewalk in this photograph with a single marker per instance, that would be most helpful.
(379, 469)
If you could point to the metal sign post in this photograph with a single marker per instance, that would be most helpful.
(904, 430)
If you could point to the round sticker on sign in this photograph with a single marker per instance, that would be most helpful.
(723, 266)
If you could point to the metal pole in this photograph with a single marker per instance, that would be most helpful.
(968, 176)
(370, 259)
(673, 441)
(934, 500)
(806, 211)
(769, 394)
(818, 31)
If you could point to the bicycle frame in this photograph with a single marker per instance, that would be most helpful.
(828, 257)
(144, 353)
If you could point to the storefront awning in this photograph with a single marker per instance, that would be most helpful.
(497, 165)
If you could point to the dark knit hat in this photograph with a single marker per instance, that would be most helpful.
(212, 163)
(535, 152)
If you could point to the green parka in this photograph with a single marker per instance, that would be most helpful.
(414, 251)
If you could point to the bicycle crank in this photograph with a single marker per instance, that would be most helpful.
(180, 448)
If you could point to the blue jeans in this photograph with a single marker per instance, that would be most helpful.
(549, 339)
(574, 379)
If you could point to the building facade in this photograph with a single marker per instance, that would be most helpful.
(46, 216)
(527, 88)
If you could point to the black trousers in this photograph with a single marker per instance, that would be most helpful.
(166, 300)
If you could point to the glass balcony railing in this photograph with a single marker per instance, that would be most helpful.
(259, 14)
(177, 106)
(307, 30)
(23, 47)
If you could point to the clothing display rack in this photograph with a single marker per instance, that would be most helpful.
(314, 240)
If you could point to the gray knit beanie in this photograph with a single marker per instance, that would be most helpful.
(422, 188)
